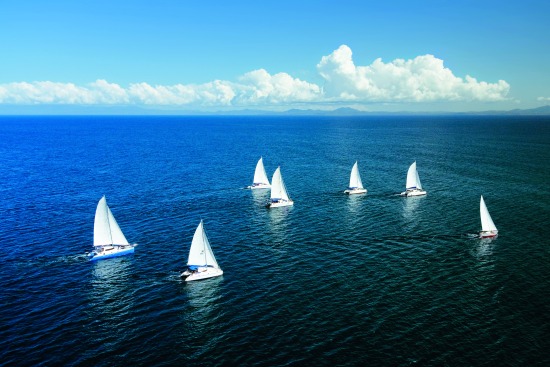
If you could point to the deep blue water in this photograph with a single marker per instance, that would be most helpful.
(376, 280)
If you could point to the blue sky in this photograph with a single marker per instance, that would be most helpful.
(275, 55)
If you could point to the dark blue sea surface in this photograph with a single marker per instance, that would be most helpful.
(370, 280)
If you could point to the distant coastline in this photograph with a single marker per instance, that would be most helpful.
(54, 110)
(539, 111)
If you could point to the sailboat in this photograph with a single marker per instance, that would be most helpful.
(279, 196)
(413, 186)
(260, 177)
(355, 184)
(488, 228)
(109, 241)
(201, 263)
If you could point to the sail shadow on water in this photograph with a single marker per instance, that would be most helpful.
(111, 302)
(115, 270)
(410, 207)
(353, 204)
(278, 218)
(278, 228)
(203, 294)
(260, 197)
(485, 247)
(202, 306)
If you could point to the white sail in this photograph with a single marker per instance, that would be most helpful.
(116, 233)
(260, 177)
(355, 178)
(487, 224)
(200, 253)
(278, 189)
(102, 230)
(413, 180)
(106, 229)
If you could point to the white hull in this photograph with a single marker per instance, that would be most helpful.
(259, 186)
(201, 273)
(413, 193)
(280, 203)
(355, 191)
(488, 234)
(106, 252)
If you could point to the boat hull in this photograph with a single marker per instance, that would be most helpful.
(413, 193)
(488, 234)
(355, 191)
(280, 204)
(201, 273)
(259, 186)
(111, 253)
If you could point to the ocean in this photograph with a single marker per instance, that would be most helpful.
(369, 280)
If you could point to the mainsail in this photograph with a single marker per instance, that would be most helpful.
(200, 253)
(278, 189)
(413, 180)
(260, 177)
(355, 178)
(487, 224)
(106, 229)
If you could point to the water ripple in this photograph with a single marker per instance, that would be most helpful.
(374, 279)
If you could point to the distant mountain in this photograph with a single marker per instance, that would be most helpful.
(544, 110)
(343, 111)
(148, 110)
(347, 111)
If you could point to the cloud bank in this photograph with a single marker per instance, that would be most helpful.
(422, 79)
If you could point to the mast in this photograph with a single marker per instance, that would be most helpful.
(102, 227)
(487, 224)
(208, 253)
(204, 243)
(276, 184)
(284, 193)
(260, 176)
(117, 237)
(108, 221)
(355, 178)
(418, 184)
(200, 252)
(413, 180)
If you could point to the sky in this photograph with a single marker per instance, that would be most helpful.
(185, 56)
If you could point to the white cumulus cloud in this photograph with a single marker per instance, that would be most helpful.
(98, 92)
(109, 93)
(422, 79)
(208, 94)
(258, 87)
(543, 99)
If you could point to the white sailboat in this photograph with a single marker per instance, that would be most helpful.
(488, 228)
(355, 183)
(109, 241)
(413, 186)
(260, 177)
(201, 263)
(279, 195)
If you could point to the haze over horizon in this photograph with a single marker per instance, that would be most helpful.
(273, 56)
